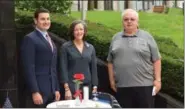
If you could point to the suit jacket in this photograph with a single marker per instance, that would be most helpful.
(39, 64)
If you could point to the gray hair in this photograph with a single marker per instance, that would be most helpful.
(129, 10)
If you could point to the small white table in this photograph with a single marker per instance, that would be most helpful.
(83, 104)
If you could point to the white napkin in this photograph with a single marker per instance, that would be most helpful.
(153, 91)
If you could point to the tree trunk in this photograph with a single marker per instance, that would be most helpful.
(128, 4)
(78, 5)
(143, 4)
(90, 4)
(175, 4)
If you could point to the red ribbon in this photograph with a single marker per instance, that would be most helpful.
(78, 93)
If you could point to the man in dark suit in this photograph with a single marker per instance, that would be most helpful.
(39, 59)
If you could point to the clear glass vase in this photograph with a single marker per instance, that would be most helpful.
(77, 86)
(77, 101)
(77, 98)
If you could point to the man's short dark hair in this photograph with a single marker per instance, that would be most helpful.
(72, 27)
(40, 10)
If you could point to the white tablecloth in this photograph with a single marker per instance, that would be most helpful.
(83, 104)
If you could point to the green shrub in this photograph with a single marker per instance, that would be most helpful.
(169, 48)
(173, 77)
(166, 10)
(100, 36)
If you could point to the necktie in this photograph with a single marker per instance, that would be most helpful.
(49, 41)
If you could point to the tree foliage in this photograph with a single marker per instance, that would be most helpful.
(60, 6)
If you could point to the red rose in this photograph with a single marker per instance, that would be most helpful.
(79, 76)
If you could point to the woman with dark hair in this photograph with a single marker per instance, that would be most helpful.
(78, 56)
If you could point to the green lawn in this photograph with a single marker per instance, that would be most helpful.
(163, 25)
